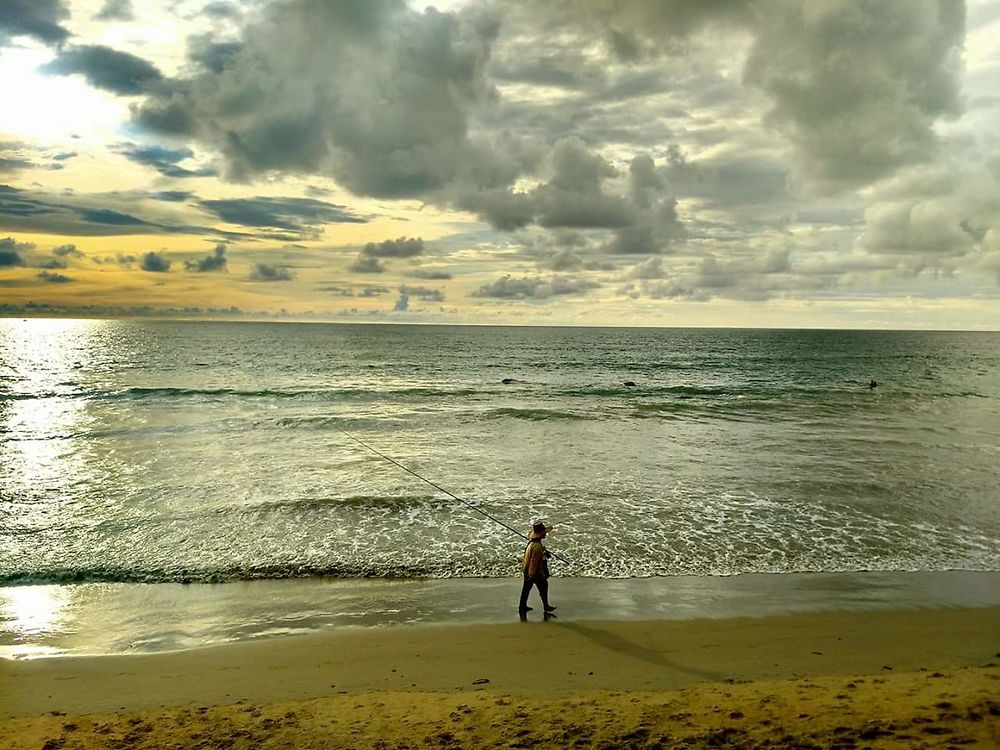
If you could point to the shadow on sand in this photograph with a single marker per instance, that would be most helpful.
(626, 647)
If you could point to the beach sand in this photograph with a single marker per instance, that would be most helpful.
(916, 678)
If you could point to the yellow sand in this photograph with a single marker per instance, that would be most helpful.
(888, 679)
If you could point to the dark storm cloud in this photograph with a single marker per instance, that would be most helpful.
(270, 272)
(35, 18)
(106, 68)
(54, 278)
(401, 247)
(64, 251)
(116, 10)
(52, 263)
(164, 160)
(214, 262)
(297, 215)
(535, 288)
(155, 263)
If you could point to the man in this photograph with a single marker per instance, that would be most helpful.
(535, 567)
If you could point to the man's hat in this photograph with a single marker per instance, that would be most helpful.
(539, 529)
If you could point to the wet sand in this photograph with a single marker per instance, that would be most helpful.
(906, 678)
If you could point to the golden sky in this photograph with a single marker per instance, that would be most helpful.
(777, 163)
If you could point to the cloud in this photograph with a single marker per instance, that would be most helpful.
(121, 259)
(209, 54)
(430, 274)
(155, 263)
(270, 272)
(164, 160)
(172, 196)
(221, 9)
(563, 259)
(536, 288)
(402, 304)
(54, 278)
(857, 87)
(214, 262)
(68, 250)
(38, 19)
(366, 264)
(106, 68)
(651, 268)
(83, 215)
(373, 93)
(573, 197)
(116, 10)
(10, 252)
(424, 293)
(399, 248)
(15, 164)
(302, 216)
(18, 156)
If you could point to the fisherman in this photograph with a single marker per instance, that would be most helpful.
(535, 567)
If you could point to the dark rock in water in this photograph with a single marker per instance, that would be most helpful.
(629, 382)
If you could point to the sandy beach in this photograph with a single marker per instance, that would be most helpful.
(908, 678)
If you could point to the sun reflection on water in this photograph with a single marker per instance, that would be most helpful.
(28, 615)
(43, 364)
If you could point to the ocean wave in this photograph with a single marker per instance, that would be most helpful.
(138, 393)
(532, 414)
(424, 570)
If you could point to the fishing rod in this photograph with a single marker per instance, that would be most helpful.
(442, 489)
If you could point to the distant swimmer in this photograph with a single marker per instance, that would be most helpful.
(508, 381)
(629, 383)
(872, 385)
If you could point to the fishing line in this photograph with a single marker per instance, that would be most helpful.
(442, 489)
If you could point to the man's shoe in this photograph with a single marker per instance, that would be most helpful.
(524, 609)
(551, 609)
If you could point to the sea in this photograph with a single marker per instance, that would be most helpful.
(191, 452)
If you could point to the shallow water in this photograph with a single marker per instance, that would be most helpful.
(135, 618)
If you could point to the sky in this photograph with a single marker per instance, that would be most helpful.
(747, 163)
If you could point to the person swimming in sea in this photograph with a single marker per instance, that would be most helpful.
(872, 385)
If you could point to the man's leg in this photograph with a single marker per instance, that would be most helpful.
(543, 591)
(525, 590)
